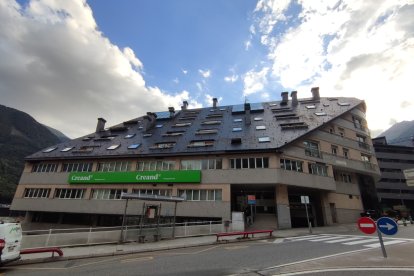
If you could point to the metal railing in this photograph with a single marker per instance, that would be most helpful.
(102, 235)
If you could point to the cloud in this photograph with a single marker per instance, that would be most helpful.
(232, 78)
(362, 49)
(205, 73)
(184, 71)
(57, 66)
(208, 99)
(255, 81)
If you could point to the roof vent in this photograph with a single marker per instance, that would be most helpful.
(214, 102)
(100, 126)
(294, 95)
(248, 119)
(285, 98)
(172, 111)
(184, 106)
(315, 93)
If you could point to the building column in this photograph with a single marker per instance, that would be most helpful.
(28, 217)
(282, 206)
(326, 209)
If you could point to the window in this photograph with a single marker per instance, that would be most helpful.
(201, 195)
(264, 139)
(260, 127)
(70, 193)
(343, 104)
(114, 166)
(318, 169)
(345, 177)
(77, 167)
(204, 164)
(217, 115)
(107, 193)
(158, 165)
(49, 149)
(129, 136)
(113, 147)
(200, 143)
(291, 165)
(134, 146)
(258, 119)
(160, 192)
(365, 158)
(237, 129)
(358, 122)
(158, 126)
(341, 131)
(346, 153)
(334, 150)
(238, 120)
(312, 149)
(67, 149)
(331, 130)
(249, 163)
(45, 167)
(362, 142)
(165, 145)
(207, 131)
(36, 193)
(310, 106)
(320, 114)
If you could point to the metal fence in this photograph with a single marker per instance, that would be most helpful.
(102, 235)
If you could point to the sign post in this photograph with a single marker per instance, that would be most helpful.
(251, 200)
(305, 200)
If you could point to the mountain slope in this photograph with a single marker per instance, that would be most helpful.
(400, 134)
(20, 136)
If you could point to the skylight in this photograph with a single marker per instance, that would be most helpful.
(67, 149)
(129, 136)
(236, 129)
(134, 146)
(113, 147)
(158, 126)
(211, 123)
(49, 149)
(310, 106)
(147, 135)
(238, 120)
(258, 119)
(343, 104)
(260, 127)
(320, 114)
(264, 139)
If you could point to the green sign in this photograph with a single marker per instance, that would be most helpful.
(135, 177)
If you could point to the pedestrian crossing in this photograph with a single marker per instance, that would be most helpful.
(366, 241)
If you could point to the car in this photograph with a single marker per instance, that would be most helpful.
(10, 242)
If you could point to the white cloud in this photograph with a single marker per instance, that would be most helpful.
(255, 81)
(232, 78)
(205, 73)
(176, 81)
(208, 99)
(58, 67)
(363, 49)
(184, 71)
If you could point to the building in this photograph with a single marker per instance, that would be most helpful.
(275, 152)
(392, 189)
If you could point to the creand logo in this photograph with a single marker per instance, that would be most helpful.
(148, 177)
(81, 178)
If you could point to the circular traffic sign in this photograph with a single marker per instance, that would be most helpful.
(387, 226)
(367, 225)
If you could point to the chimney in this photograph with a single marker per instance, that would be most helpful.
(100, 126)
(172, 111)
(149, 121)
(294, 95)
(247, 119)
(214, 102)
(285, 98)
(184, 106)
(315, 93)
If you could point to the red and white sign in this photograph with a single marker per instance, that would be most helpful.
(367, 225)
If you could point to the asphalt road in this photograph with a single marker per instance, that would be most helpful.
(265, 257)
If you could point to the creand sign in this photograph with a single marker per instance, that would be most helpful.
(135, 177)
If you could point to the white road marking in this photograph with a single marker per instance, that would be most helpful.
(375, 245)
(348, 269)
(304, 238)
(324, 239)
(360, 242)
(342, 240)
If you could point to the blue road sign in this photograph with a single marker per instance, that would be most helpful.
(387, 226)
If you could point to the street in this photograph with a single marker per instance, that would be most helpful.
(324, 254)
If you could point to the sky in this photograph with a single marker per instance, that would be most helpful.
(66, 63)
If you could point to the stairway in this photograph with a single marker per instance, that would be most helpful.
(264, 222)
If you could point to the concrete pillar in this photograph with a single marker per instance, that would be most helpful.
(326, 209)
(28, 217)
(282, 206)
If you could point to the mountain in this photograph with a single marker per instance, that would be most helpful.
(62, 137)
(400, 134)
(20, 136)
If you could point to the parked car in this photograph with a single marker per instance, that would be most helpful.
(10, 242)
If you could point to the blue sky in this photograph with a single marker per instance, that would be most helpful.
(67, 63)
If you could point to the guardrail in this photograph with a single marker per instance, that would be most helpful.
(102, 235)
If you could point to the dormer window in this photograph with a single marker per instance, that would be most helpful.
(49, 149)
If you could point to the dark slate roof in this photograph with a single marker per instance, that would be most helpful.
(284, 123)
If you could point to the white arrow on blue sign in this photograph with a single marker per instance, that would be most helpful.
(387, 226)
